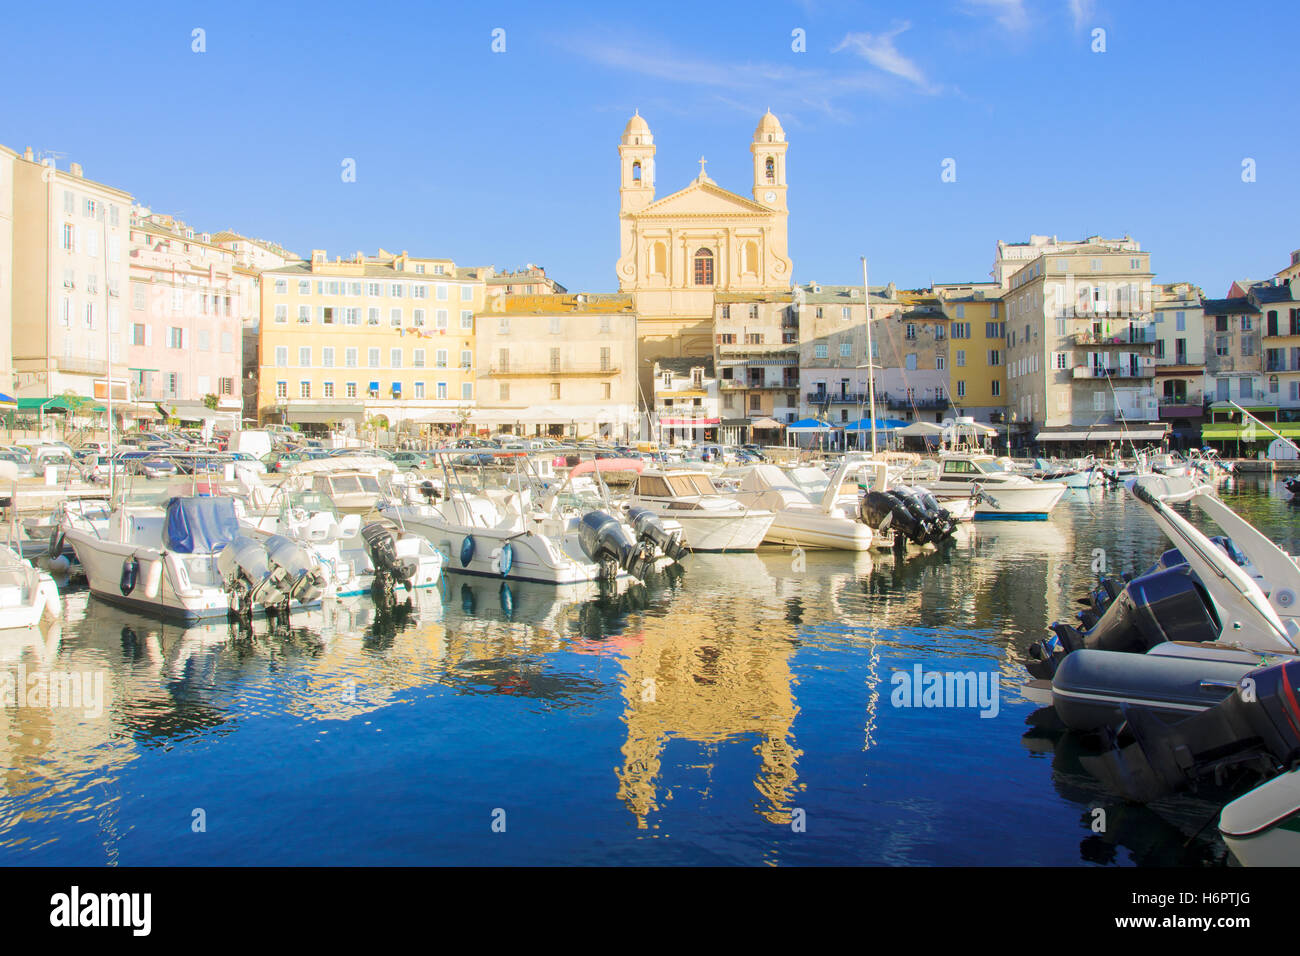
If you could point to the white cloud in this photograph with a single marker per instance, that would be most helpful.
(1010, 14)
(878, 49)
(1082, 11)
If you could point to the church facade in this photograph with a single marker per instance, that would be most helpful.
(677, 252)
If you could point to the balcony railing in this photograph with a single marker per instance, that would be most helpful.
(82, 366)
(684, 411)
(565, 369)
(1094, 371)
(731, 384)
(922, 404)
(1131, 337)
(836, 398)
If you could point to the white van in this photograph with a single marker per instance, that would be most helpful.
(255, 442)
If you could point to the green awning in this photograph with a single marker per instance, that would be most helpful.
(1231, 431)
(56, 404)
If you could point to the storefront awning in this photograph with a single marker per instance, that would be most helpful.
(1141, 432)
(320, 414)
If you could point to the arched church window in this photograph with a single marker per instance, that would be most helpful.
(658, 259)
(636, 171)
(703, 267)
(771, 170)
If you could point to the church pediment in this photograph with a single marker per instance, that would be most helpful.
(702, 199)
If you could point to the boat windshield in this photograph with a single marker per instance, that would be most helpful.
(689, 485)
(810, 481)
(308, 501)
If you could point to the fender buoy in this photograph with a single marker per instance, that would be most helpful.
(130, 573)
(56, 542)
(507, 558)
(467, 551)
(507, 601)
(467, 599)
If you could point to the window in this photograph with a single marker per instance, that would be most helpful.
(503, 392)
(442, 292)
(281, 390)
(1247, 323)
(555, 391)
(327, 315)
(205, 340)
(604, 359)
(1247, 346)
(555, 360)
(466, 358)
(281, 313)
(467, 293)
(327, 390)
(995, 330)
(417, 318)
(395, 358)
(227, 386)
(281, 286)
(304, 314)
(440, 319)
(1060, 360)
(1180, 321)
(372, 316)
(1221, 345)
(442, 390)
(961, 311)
(350, 358)
(961, 388)
(395, 317)
(960, 358)
(327, 357)
(304, 389)
(820, 351)
(304, 357)
(282, 356)
(846, 349)
(1220, 323)
(351, 390)
(997, 388)
(940, 363)
(440, 358)
(395, 290)
(175, 338)
(703, 267)
(69, 237)
(995, 357)
(911, 332)
(419, 390)
(372, 358)
(419, 291)
(467, 319)
(961, 330)
(304, 287)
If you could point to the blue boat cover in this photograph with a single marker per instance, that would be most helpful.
(199, 525)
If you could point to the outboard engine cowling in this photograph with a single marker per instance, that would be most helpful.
(390, 570)
(605, 541)
(246, 571)
(649, 528)
(294, 572)
(1166, 605)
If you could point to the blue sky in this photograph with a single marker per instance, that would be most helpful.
(508, 158)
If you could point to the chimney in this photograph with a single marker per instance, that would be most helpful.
(75, 169)
(27, 155)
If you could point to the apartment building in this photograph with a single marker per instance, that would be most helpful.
(69, 273)
(1291, 271)
(1280, 341)
(183, 335)
(1233, 361)
(756, 353)
(1178, 320)
(252, 258)
(910, 336)
(1080, 346)
(687, 403)
(530, 280)
(558, 365)
(833, 350)
(1011, 257)
(7, 157)
(976, 364)
(390, 335)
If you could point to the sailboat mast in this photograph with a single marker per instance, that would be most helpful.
(871, 368)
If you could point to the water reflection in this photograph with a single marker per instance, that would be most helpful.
(708, 705)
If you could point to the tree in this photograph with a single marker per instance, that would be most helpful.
(74, 403)
(210, 402)
(375, 424)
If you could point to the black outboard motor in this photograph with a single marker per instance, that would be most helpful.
(430, 491)
(390, 571)
(650, 528)
(1257, 728)
(1166, 605)
(885, 510)
(605, 541)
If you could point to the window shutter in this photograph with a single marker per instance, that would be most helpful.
(148, 335)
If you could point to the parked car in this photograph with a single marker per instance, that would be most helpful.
(413, 460)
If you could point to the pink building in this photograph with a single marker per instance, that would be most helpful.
(183, 338)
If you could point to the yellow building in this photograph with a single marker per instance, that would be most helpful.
(977, 365)
(558, 365)
(676, 252)
(389, 335)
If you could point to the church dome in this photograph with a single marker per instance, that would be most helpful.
(637, 132)
(769, 130)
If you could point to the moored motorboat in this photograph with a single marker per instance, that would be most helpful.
(710, 521)
(1002, 494)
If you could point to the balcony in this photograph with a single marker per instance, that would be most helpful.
(564, 370)
(768, 386)
(82, 366)
(1094, 371)
(686, 412)
(920, 404)
(731, 384)
(1133, 337)
(837, 398)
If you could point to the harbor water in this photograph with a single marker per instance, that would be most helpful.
(758, 709)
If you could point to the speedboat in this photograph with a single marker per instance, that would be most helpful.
(523, 528)
(710, 521)
(352, 557)
(809, 508)
(354, 483)
(1175, 639)
(1002, 494)
(87, 513)
(28, 596)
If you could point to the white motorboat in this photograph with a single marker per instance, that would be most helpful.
(521, 530)
(1262, 827)
(1001, 494)
(710, 521)
(87, 513)
(28, 596)
(349, 555)
(354, 483)
(808, 506)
